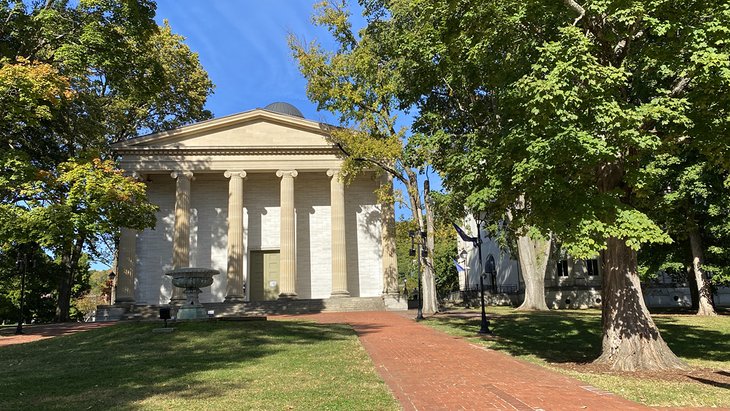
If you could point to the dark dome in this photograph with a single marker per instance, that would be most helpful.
(284, 108)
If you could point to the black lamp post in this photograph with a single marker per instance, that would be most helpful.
(482, 272)
(412, 253)
(22, 263)
(490, 268)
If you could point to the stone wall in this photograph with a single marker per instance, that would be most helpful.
(208, 233)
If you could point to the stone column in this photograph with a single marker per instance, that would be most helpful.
(126, 261)
(287, 238)
(181, 234)
(339, 249)
(126, 266)
(234, 284)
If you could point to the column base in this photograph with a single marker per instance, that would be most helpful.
(124, 301)
(395, 302)
(287, 296)
(340, 294)
(234, 299)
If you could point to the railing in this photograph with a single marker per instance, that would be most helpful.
(489, 288)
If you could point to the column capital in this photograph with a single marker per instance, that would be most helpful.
(287, 173)
(229, 174)
(332, 172)
(176, 174)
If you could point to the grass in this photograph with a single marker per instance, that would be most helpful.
(271, 365)
(560, 339)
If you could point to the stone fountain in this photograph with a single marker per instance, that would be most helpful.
(192, 280)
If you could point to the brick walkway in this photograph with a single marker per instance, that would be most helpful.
(40, 332)
(430, 370)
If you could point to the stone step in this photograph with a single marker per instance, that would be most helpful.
(223, 309)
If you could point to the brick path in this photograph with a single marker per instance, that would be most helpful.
(430, 370)
(40, 332)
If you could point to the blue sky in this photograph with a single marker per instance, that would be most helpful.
(243, 46)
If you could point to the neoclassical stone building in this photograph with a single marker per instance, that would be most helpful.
(257, 196)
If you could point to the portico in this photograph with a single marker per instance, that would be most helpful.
(258, 183)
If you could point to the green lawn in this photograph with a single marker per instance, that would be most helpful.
(556, 339)
(273, 365)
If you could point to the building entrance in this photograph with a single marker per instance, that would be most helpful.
(264, 275)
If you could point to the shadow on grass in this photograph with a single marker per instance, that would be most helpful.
(694, 342)
(710, 382)
(119, 366)
(575, 336)
(567, 337)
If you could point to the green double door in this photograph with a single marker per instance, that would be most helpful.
(264, 275)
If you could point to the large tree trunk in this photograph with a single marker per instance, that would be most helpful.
(694, 293)
(64, 297)
(704, 291)
(631, 340)
(65, 285)
(533, 256)
(430, 297)
(70, 262)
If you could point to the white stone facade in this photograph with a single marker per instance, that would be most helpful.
(257, 145)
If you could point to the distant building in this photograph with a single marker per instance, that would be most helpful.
(569, 282)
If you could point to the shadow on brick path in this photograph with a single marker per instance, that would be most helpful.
(429, 370)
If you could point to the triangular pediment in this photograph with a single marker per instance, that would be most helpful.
(252, 129)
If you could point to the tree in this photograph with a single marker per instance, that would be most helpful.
(69, 211)
(692, 204)
(354, 83)
(445, 275)
(452, 59)
(564, 106)
(40, 282)
(75, 76)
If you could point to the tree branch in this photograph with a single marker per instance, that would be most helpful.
(578, 9)
(679, 86)
(380, 164)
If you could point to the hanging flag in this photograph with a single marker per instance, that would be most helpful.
(464, 236)
(459, 268)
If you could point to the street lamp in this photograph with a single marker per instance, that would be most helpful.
(22, 264)
(412, 253)
(479, 219)
(491, 269)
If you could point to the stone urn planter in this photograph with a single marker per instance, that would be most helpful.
(192, 280)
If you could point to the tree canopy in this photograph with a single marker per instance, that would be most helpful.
(562, 114)
(74, 77)
(356, 82)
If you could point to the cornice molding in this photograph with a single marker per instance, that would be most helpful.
(233, 120)
(228, 151)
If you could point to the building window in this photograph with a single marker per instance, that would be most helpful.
(592, 267)
(563, 268)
